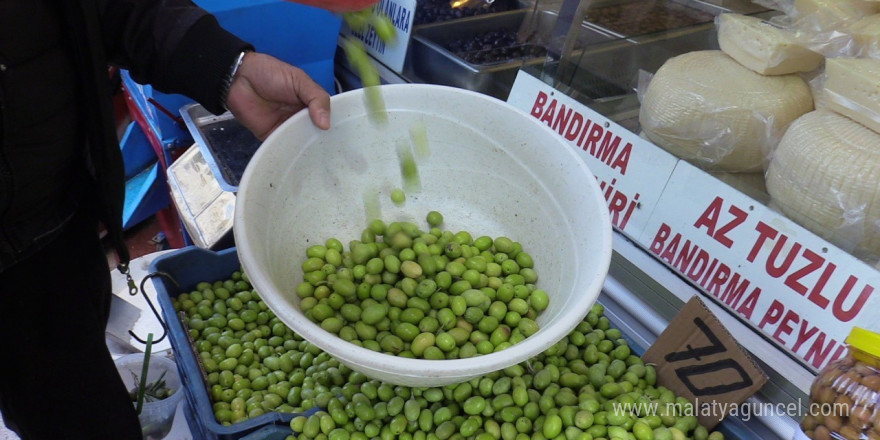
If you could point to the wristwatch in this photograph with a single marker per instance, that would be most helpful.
(230, 77)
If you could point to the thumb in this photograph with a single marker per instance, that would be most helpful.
(317, 100)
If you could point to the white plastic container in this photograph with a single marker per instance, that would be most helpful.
(492, 170)
(156, 417)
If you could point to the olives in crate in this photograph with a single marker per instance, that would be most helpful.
(496, 46)
(589, 384)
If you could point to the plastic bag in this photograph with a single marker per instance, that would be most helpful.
(850, 89)
(865, 37)
(784, 6)
(763, 46)
(825, 26)
(701, 107)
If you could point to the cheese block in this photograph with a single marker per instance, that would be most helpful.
(831, 15)
(825, 175)
(763, 47)
(705, 107)
(852, 88)
(865, 35)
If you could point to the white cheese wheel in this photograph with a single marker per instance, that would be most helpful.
(707, 108)
(763, 47)
(852, 88)
(825, 175)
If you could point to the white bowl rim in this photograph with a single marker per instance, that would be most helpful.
(414, 368)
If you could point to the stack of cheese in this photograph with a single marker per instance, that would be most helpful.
(747, 108)
(825, 171)
(825, 16)
(833, 28)
(837, 27)
(727, 109)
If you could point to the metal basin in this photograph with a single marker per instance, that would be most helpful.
(430, 61)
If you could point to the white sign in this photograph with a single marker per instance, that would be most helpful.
(802, 292)
(392, 54)
(631, 171)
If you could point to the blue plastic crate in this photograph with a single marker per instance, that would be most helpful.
(137, 153)
(145, 194)
(189, 266)
(170, 133)
(271, 432)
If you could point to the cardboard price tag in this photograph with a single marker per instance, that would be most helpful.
(697, 358)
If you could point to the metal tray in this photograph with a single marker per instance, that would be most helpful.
(226, 145)
(579, 70)
(439, 11)
(431, 61)
(631, 18)
(624, 63)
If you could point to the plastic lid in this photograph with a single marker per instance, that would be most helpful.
(864, 340)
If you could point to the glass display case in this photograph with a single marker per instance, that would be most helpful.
(787, 293)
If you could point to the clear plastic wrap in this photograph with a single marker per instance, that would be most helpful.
(851, 88)
(706, 108)
(763, 46)
(825, 175)
(817, 86)
(851, 108)
(822, 16)
(829, 27)
(784, 6)
(865, 34)
(845, 396)
(750, 184)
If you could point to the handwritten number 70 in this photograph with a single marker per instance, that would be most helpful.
(715, 346)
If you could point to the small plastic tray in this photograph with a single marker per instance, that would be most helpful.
(226, 145)
(188, 267)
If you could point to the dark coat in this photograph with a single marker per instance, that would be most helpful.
(171, 44)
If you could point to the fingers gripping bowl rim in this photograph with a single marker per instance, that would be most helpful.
(492, 170)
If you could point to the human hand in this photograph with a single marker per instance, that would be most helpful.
(267, 91)
(338, 5)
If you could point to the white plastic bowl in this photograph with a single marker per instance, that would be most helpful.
(493, 170)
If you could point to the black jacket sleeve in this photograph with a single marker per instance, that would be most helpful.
(173, 45)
